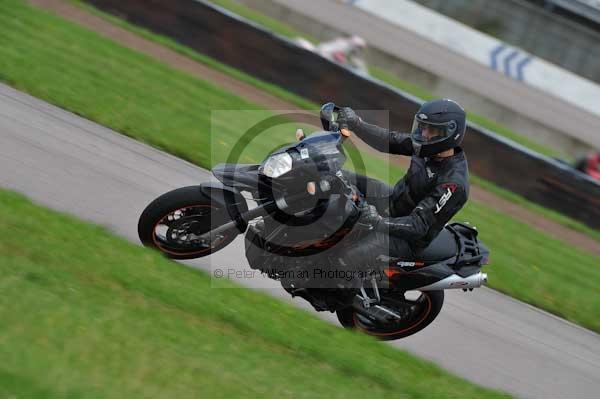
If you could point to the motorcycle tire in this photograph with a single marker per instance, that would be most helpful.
(165, 209)
(431, 304)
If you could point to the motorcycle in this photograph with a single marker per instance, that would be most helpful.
(305, 214)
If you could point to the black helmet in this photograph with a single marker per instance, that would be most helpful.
(439, 125)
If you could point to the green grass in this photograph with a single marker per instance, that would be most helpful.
(261, 19)
(97, 317)
(149, 101)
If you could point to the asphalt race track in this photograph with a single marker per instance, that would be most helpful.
(68, 163)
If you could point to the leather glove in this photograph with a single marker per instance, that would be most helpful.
(347, 118)
(369, 217)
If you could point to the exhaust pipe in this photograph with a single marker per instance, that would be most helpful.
(455, 281)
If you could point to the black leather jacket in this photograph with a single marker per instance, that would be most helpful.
(428, 196)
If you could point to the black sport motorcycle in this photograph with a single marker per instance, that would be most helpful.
(304, 215)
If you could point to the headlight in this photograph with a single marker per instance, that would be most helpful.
(277, 165)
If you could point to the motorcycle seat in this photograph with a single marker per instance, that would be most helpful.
(442, 247)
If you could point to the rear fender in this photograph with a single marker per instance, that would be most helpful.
(471, 251)
(241, 176)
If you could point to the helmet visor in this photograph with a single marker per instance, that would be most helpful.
(427, 132)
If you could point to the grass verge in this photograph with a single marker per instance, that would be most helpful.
(98, 317)
(149, 101)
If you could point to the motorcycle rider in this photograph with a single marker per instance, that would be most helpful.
(406, 218)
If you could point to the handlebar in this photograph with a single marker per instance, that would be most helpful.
(328, 115)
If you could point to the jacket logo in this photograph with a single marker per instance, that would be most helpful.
(450, 189)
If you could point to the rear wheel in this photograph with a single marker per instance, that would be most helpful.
(175, 222)
(418, 309)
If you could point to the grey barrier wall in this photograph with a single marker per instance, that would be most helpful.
(235, 41)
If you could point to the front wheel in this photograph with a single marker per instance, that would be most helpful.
(418, 310)
(175, 222)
